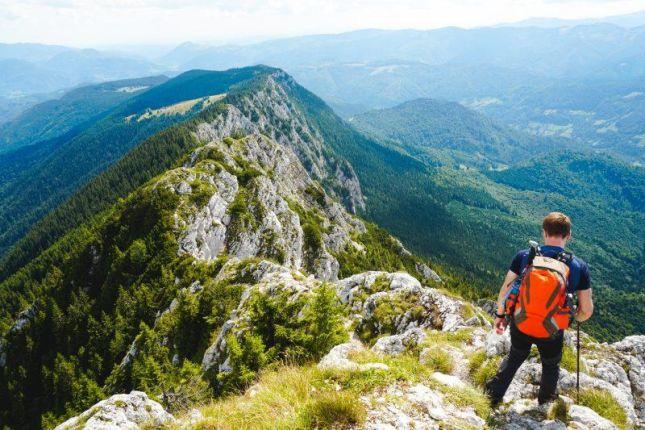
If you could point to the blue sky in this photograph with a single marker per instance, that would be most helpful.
(106, 22)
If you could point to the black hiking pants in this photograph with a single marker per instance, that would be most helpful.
(550, 355)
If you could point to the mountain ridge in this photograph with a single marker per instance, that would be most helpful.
(224, 245)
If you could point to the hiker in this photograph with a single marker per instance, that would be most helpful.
(541, 282)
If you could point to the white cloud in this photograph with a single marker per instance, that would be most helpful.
(85, 22)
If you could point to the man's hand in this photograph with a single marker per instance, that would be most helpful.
(500, 325)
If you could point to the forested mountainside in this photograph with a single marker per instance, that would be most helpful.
(55, 117)
(99, 300)
(446, 133)
(603, 116)
(604, 196)
(37, 179)
(233, 261)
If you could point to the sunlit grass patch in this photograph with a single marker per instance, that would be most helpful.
(286, 398)
(569, 360)
(482, 368)
(604, 404)
(332, 409)
(455, 338)
(438, 359)
(467, 397)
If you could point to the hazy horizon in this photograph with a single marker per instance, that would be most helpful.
(121, 23)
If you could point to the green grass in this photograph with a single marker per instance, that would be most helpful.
(467, 397)
(559, 411)
(438, 359)
(569, 360)
(285, 398)
(482, 368)
(332, 409)
(604, 404)
(455, 338)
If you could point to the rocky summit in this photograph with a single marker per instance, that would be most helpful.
(422, 355)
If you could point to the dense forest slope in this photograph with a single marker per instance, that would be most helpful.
(55, 117)
(84, 319)
(38, 179)
(438, 131)
(603, 116)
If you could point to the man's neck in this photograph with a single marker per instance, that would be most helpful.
(555, 241)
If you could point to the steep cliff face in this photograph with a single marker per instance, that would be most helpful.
(271, 209)
(268, 108)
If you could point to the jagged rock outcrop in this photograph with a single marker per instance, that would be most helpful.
(120, 412)
(413, 306)
(279, 212)
(270, 111)
(419, 407)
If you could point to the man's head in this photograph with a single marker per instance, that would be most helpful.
(556, 228)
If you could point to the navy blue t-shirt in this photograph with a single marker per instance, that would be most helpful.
(579, 277)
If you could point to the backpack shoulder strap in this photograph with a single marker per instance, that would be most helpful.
(574, 272)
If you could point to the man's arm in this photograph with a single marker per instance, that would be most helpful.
(500, 323)
(585, 305)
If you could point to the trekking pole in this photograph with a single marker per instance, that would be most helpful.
(578, 362)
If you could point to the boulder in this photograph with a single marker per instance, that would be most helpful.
(585, 418)
(449, 380)
(337, 357)
(121, 411)
(496, 344)
(399, 343)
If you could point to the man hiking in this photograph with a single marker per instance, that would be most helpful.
(541, 282)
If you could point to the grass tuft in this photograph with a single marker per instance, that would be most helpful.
(604, 404)
(438, 359)
(559, 411)
(332, 409)
(482, 368)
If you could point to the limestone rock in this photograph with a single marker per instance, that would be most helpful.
(497, 344)
(399, 343)
(588, 419)
(524, 422)
(337, 357)
(121, 411)
(449, 380)
(428, 273)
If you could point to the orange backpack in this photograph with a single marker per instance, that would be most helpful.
(543, 306)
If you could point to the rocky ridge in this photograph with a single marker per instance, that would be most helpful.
(422, 320)
(259, 232)
(270, 110)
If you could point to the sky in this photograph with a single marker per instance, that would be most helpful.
(85, 23)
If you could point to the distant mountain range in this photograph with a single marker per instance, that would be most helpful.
(635, 19)
(34, 72)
